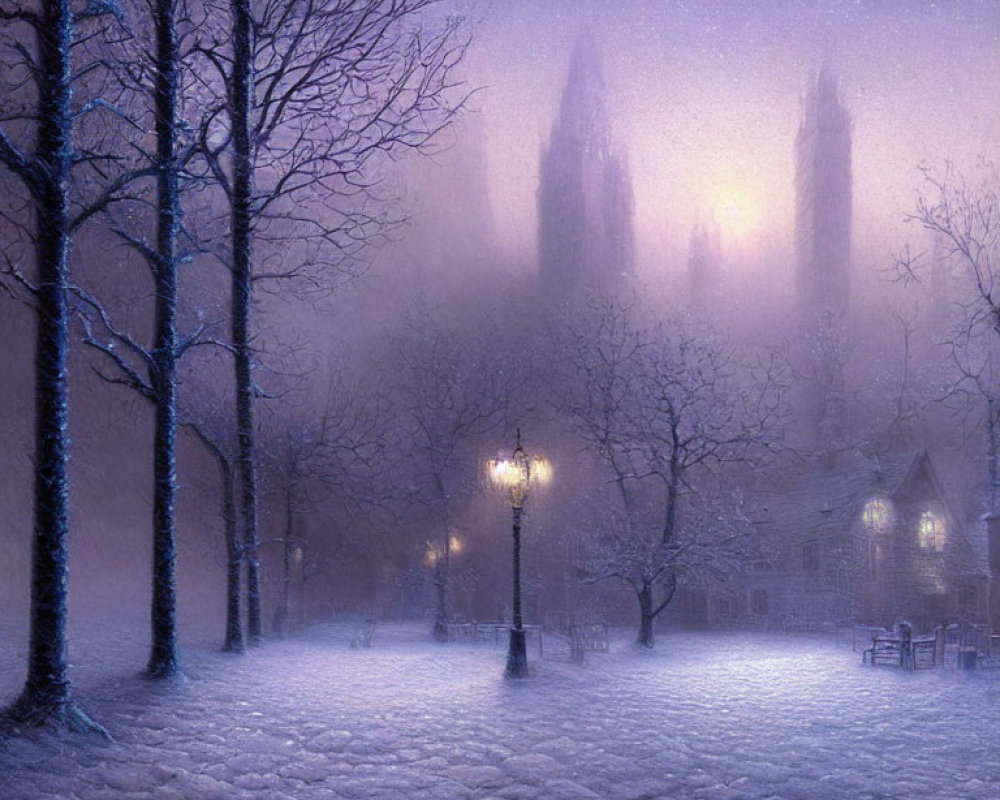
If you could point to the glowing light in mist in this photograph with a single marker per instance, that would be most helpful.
(736, 212)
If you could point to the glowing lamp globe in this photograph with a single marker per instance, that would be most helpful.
(518, 473)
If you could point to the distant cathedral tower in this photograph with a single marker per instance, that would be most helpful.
(823, 254)
(823, 202)
(585, 203)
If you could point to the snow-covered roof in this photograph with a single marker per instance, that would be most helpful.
(825, 498)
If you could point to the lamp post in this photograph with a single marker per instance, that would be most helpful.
(515, 475)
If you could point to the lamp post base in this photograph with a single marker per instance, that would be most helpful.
(517, 655)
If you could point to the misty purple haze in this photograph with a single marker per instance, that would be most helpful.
(703, 102)
(705, 98)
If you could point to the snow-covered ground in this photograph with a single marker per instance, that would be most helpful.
(704, 716)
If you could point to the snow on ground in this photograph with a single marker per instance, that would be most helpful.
(719, 717)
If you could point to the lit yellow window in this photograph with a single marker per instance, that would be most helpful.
(876, 514)
(931, 532)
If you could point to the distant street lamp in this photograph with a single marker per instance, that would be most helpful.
(515, 475)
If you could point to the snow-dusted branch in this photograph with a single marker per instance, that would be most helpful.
(667, 412)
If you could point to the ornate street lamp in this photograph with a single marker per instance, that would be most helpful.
(514, 476)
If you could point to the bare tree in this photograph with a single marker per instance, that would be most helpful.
(60, 167)
(664, 410)
(313, 93)
(333, 455)
(152, 79)
(964, 220)
(215, 432)
(453, 386)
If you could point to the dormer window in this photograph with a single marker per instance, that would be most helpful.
(931, 532)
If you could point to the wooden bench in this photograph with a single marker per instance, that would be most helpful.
(892, 651)
(884, 651)
(592, 637)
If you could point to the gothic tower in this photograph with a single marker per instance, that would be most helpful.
(585, 202)
(823, 202)
(823, 255)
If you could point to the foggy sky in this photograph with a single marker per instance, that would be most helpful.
(705, 99)
(703, 96)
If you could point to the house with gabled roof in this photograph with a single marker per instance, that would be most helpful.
(860, 538)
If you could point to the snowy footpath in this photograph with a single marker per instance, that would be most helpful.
(719, 717)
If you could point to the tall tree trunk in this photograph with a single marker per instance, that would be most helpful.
(286, 565)
(442, 583)
(233, 642)
(234, 629)
(646, 617)
(47, 698)
(993, 454)
(163, 660)
(442, 567)
(440, 631)
(673, 486)
(242, 94)
(648, 612)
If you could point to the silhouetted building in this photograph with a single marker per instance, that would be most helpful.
(860, 538)
(823, 201)
(823, 255)
(585, 203)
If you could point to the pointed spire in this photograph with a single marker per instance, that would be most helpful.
(823, 253)
(581, 113)
(586, 64)
(585, 201)
(823, 200)
(823, 108)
